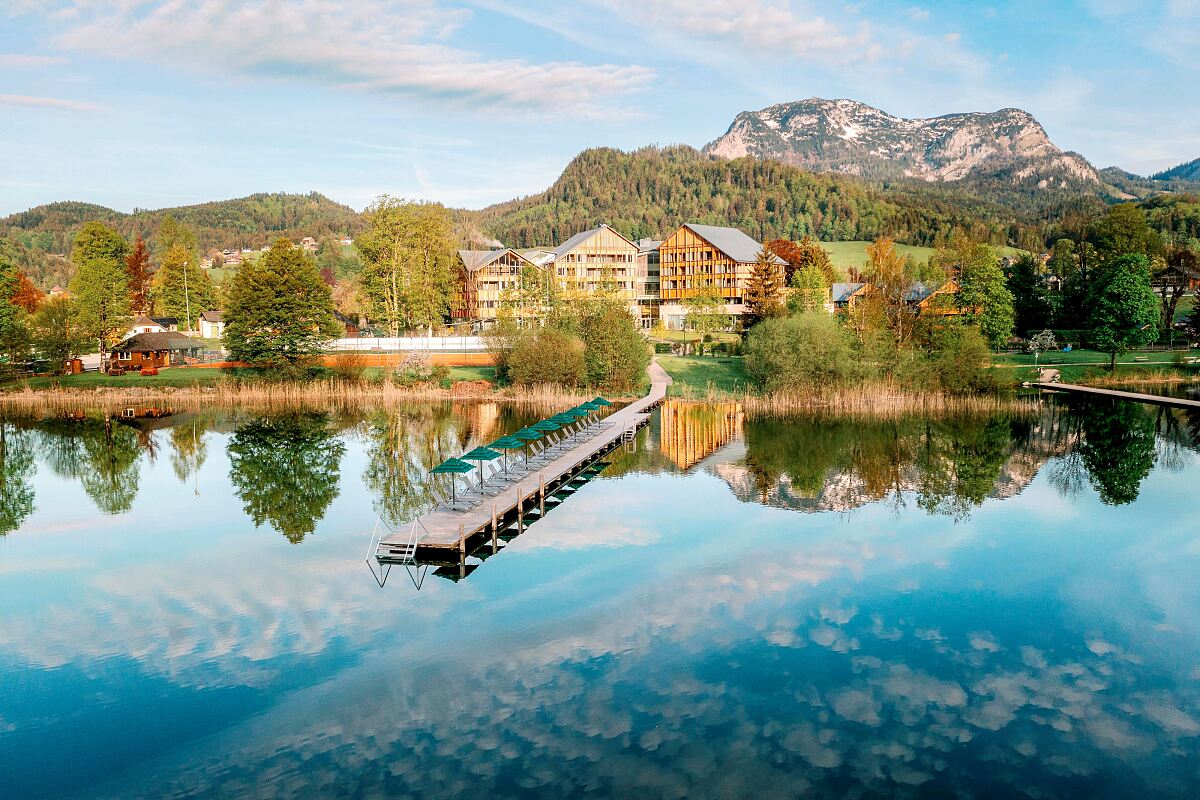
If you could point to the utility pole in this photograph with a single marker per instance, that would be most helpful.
(187, 303)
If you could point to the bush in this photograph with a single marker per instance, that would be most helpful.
(805, 351)
(546, 355)
(616, 355)
(960, 360)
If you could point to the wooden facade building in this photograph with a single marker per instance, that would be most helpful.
(486, 278)
(598, 260)
(698, 258)
(155, 349)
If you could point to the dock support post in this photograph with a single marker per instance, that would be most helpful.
(493, 528)
(541, 495)
(520, 511)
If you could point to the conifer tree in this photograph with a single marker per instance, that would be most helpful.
(137, 265)
(764, 289)
(182, 289)
(279, 310)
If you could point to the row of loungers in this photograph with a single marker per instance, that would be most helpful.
(494, 479)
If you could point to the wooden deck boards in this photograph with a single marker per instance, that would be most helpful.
(1137, 397)
(449, 529)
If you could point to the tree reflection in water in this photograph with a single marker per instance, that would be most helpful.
(285, 470)
(16, 472)
(101, 454)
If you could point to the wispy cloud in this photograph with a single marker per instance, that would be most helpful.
(400, 47)
(32, 101)
(27, 61)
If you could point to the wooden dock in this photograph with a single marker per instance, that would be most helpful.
(443, 536)
(1136, 397)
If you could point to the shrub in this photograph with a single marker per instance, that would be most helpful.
(805, 351)
(960, 360)
(616, 354)
(546, 355)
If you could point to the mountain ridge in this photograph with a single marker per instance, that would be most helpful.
(852, 137)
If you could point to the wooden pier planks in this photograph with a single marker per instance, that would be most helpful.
(449, 529)
(1136, 397)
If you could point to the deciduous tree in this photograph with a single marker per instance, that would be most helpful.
(100, 287)
(408, 259)
(57, 333)
(1124, 307)
(809, 291)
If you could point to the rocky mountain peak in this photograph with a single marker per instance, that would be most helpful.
(847, 136)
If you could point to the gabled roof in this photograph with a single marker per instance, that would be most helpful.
(648, 245)
(166, 322)
(141, 321)
(920, 292)
(730, 241)
(580, 238)
(157, 340)
(212, 316)
(475, 260)
(842, 292)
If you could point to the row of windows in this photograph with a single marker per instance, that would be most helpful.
(598, 258)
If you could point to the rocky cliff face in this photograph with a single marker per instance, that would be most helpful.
(851, 137)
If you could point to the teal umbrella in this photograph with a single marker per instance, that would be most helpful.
(600, 401)
(545, 425)
(480, 455)
(507, 443)
(452, 466)
(527, 435)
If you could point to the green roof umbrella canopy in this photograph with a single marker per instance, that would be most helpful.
(527, 435)
(480, 454)
(453, 466)
(601, 401)
(507, 443)
(546, 425)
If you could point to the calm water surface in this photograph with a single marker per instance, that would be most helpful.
(993, 607)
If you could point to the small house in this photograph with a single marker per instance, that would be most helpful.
(212, 325)
(144, 324)
(155, 349)
(845, 296)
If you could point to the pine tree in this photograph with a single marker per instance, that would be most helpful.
(137, 265)
(279, 310)
(181, 288)
(764, 289)
(100, 287)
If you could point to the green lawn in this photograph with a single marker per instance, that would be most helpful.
(1081, 365)
(694, 374)
(174, 376)
(854, 254)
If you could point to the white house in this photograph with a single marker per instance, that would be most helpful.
(212, 325)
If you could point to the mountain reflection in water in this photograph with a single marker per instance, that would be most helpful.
(952, 606)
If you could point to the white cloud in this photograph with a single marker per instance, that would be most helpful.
(374, 46)
(32, 101)
(755, 25)
(918, 14)
(25, 61)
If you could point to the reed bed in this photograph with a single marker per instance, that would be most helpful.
(877, 400)
(1156, 377)
(289, 396)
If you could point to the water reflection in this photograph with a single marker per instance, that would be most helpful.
(1010, 610)
(16, 470)
(285, 470)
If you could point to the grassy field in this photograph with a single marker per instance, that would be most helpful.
(854, 254)
(695, 374)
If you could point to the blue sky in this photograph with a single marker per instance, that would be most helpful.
(150, 103)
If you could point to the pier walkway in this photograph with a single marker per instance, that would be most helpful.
(446, 535)
(1137, 397)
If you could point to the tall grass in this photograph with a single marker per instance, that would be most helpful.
(877, 399)
(282, 396)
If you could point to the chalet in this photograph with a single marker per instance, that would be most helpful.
(697, 258)
(155, 349)
(309, 244)
(596, 260)
(345, 241)
(938, 300)
(212, 325)
(845, 296)
(485, 278)
(144, 324)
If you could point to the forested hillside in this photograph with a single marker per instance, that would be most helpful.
(245, 222)
(651, 191)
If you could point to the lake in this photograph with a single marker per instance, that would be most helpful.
(984, 607)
